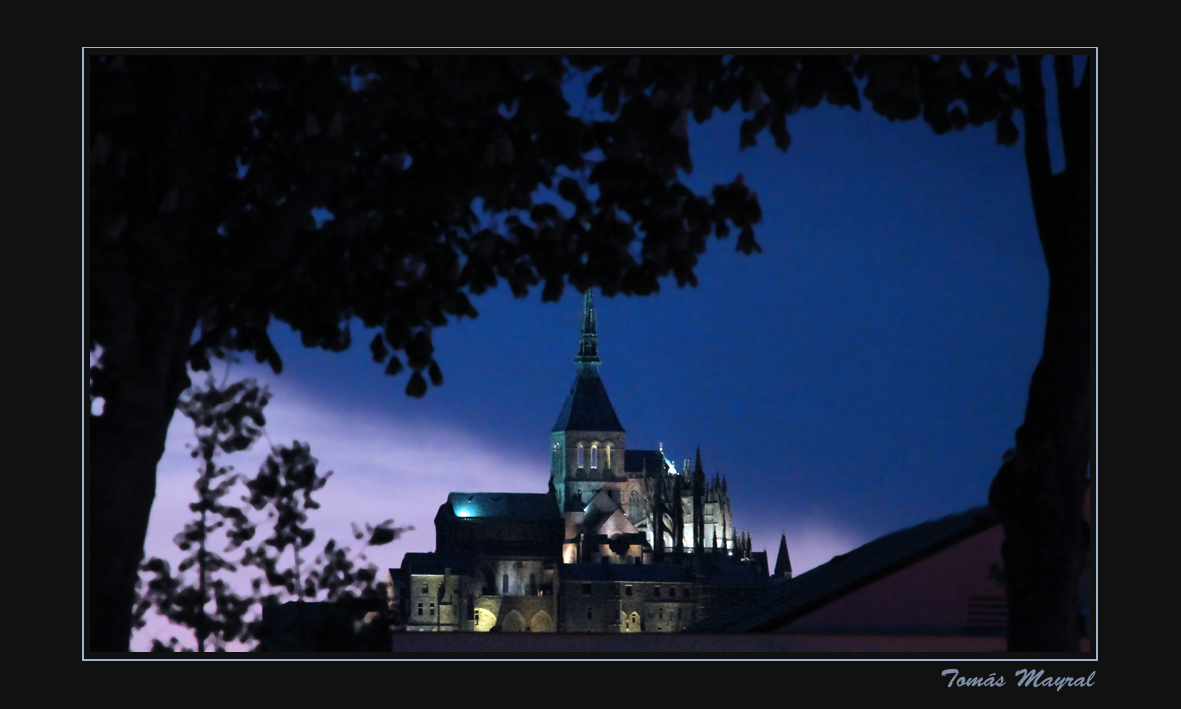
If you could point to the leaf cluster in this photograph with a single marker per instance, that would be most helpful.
(204, 172)
(228, 419)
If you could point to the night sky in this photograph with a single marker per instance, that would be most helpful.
(864, 373)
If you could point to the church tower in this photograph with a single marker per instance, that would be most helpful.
(587, 442)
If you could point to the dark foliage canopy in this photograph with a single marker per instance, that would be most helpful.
(401, 149)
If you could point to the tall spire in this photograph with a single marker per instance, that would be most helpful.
(587, 407)
(588, 342)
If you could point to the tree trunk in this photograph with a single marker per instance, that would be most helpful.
(1039, 491)
(126, 443)
(144, 315)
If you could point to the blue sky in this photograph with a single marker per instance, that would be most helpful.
(865, 372)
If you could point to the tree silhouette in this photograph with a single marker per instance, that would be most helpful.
(225, 420)
(204, 172)
(228, 419)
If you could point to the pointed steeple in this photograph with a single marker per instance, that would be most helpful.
(783, 563)
(588, 407)
(588, 341)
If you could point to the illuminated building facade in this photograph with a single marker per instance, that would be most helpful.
(622, 542)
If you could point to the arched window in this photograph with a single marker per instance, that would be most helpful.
(607, 459)
(594, 455)
(580, 461)
(504, 585)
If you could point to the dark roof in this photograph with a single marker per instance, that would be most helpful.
(665, 573)
(588, 408)
(436, 564)
(280, 619)
(752, 572)
(726, 574)
(634, 461)
(502, 505)
(846, 573)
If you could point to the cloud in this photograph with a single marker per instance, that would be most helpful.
(383, 467)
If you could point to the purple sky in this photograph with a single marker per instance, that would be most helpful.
(864, 373)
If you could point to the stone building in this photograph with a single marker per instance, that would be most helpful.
(622, 542)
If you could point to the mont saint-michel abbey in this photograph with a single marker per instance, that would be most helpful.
(623, 541)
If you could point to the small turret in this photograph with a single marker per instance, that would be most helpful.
(698, 481)
(783, 563)
(678, 519)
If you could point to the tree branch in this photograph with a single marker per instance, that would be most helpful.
(1037, 148)
(1074, 111)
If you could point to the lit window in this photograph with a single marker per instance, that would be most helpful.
(608, 458)
(580, 463)
(594, 456)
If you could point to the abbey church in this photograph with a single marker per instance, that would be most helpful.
(623, 541)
